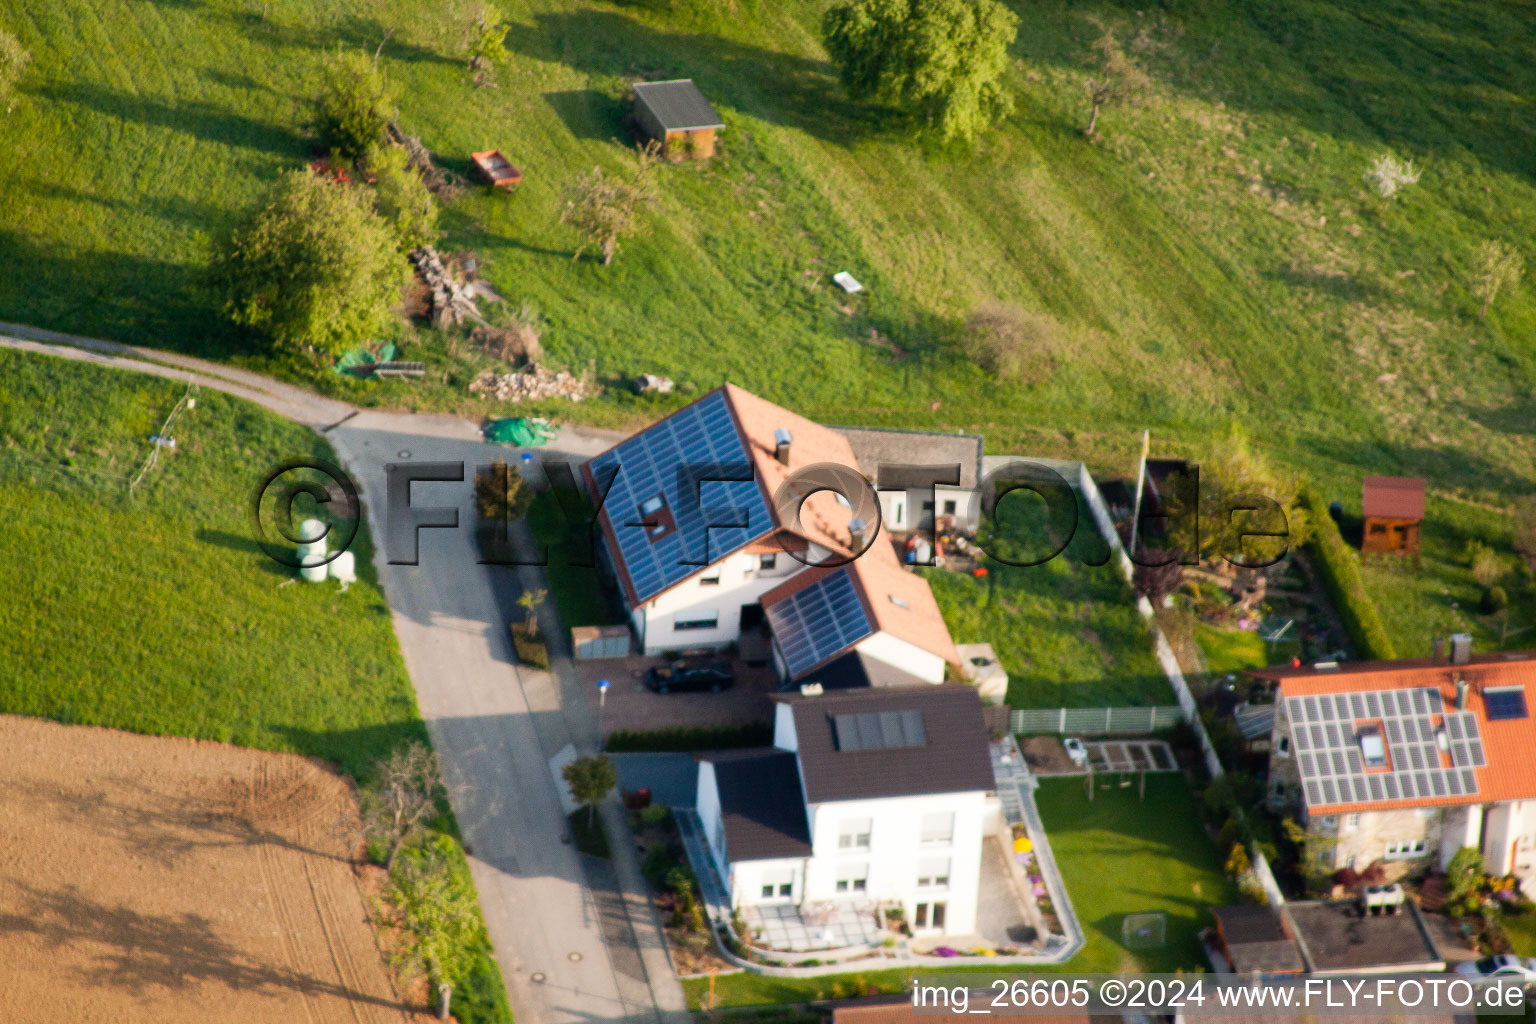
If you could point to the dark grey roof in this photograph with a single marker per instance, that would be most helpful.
(1256, 940)
(679, 105)
(760, 803)
(857, 670)
(1333, 936)
(873, 446)
(1255, 721)
(953, 759)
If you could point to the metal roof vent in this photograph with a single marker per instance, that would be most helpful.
(782, 439)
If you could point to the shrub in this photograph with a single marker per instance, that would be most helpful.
(1347, 877)
(658, 861)
(654, 815)
(1388, 176)
(1013, 343)
(1494, 600)
(401, 197)
(1373, 873)
(688, 738)
(355, 105)
(1341, 578)
(314, 266)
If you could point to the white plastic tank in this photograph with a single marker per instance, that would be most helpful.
(344, 568)
(312, 565)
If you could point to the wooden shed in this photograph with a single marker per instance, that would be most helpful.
(1393, 506)
(678, 116)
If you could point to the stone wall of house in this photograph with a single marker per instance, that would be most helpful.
(1357, 840)
(1284, 775)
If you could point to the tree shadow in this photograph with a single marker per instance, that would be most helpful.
(1430, 78)
(1436, 463)
(197, 118)
(777, 87)
(123, 296)
(354, 32)
(590, 113)
(147, 951)
(1344, 287)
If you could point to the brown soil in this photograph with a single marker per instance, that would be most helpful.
(164, 880)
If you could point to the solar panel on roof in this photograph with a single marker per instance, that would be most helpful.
(1436, 701)
(1377, 790)
(879, 730)
(818, 622)
(1505, 704)
(1357, 705)
(647, 465)
(1373, 704)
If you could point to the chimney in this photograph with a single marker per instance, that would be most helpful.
(1462, 687)
(1437, 651)
(1461, 648)
(856, 528)
(781, 442)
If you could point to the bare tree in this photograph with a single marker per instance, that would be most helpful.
(1121, 81)
(403, 797)
(604, 209)
(1499, 265)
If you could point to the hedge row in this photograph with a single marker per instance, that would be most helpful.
(686, 739)
(1341, 576)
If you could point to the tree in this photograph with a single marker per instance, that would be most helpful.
(355, 104)
(432, 903)
(1121, 82)
(1499, 265)
(529, 601)
(14, 59)
(1463, 877)
(1157, 581)
(590, 779)
(401, 197)
(501, 493)
(939, 61)
(314, 266)
(489, 46)
(605, 209)
(403, 798)
(1233, 479)
(1389, 176)
(1013, 343)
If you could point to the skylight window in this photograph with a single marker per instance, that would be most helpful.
(898, 602)
(1372, 749)
(879, 730)
(656, 517)
(1505, 703)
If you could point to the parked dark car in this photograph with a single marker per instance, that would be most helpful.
(689, 676)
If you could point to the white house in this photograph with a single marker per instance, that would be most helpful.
(874, 795)
(905, 509)
(1409, 761)
(703, 551)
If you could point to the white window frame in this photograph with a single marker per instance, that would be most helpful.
(927, 832)
(852, 879)
(1351, 822)
(1406, 849)
(853, 834)
(933, 873)
(680, 625)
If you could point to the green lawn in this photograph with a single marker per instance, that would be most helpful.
(1117, 854)
(158, 613)
(1067, 631)
(1215, 258)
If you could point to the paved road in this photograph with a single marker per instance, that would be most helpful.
(495, 724)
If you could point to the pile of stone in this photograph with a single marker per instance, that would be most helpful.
(532, 384)
(453, 299)
(648, 382)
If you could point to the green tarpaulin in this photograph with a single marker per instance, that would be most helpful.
(521, 431)
(356, 361)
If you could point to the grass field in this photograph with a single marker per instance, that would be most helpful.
(1067, 631)
(1215, 258)
(1117, 854)
(158, 612)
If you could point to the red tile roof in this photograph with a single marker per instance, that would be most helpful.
(1510, 745)
(1393, 497)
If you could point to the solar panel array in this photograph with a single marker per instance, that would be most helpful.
(815, 623)
(879, 730)
(1505, 703)
(1325, 731)
(647, 465)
